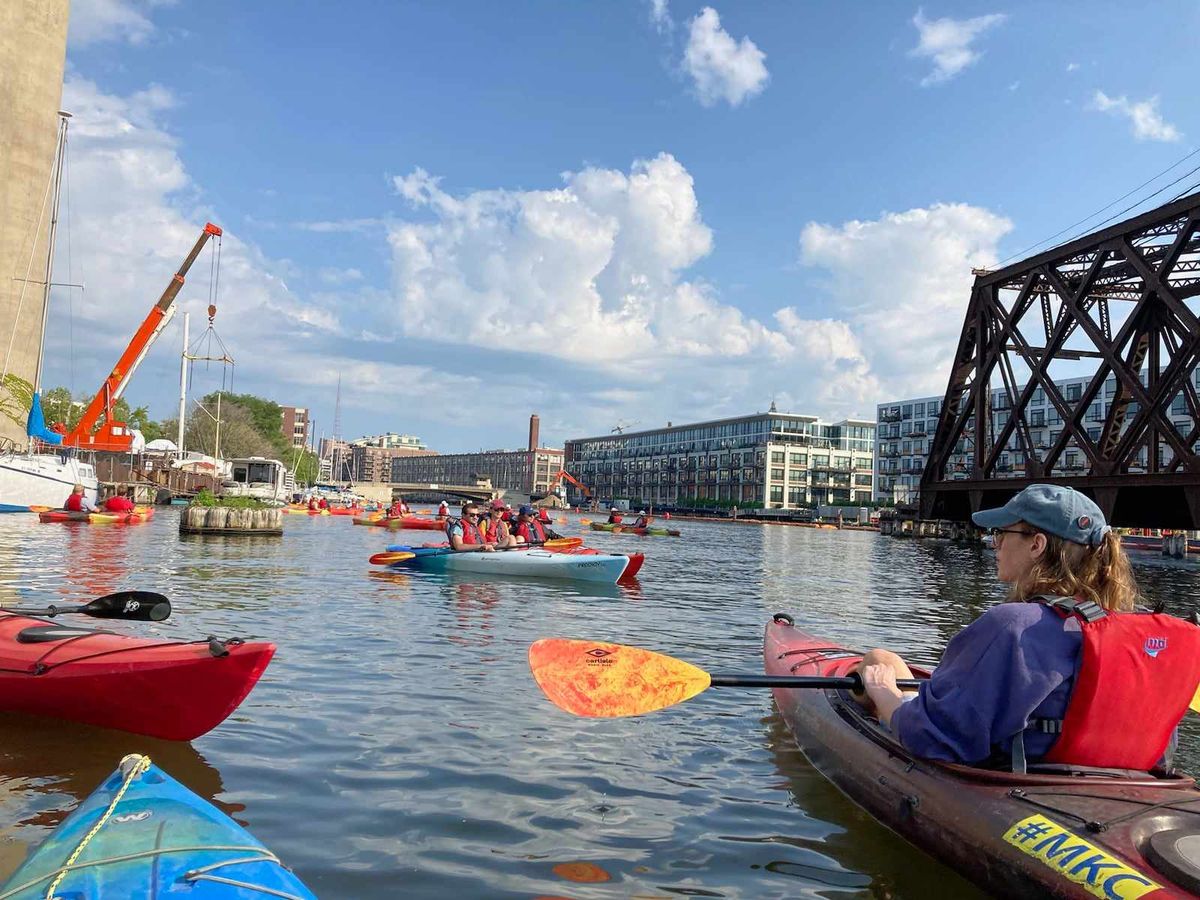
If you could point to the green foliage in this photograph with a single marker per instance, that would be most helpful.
(206, 498)
(710, 503)
(264, 416)
(16, 396)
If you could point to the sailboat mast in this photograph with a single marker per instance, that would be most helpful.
(183, 361)
(59, 158)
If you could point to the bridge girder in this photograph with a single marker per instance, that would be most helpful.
(1139, 464)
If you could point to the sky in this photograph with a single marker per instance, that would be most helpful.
(616, 213)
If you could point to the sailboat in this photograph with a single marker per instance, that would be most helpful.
(44, 479)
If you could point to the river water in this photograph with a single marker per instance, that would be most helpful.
(398, 747)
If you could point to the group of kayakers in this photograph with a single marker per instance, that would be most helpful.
(475, 531)
(642, 521)
(117, 500)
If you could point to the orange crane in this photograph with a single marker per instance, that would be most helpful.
(563, 474)
(113, 434)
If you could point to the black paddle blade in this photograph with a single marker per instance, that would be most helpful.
(136, 606)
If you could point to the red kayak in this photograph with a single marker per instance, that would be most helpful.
(346, 510)
(164, 689)
(1058, 831)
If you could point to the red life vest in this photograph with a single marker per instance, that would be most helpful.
(1137, 675)
(470, 531)
(74, 503)
(531, 530)
(492, 534)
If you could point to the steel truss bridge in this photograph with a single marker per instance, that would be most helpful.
(1123, 296)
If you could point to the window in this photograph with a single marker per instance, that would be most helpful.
(776, 493)
(842, 462)
(933, 407)
(777, 474)
(820, 459)
(918, 409)
(1037, 418)
(776, 456)
(906, 411)
(1039, 396)
(799, 459)
(795, 475)
(1073, 392)
(862, 480)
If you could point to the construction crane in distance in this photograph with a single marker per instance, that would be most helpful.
(563, 475)
(620, 427)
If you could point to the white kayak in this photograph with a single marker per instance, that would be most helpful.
(532, 563)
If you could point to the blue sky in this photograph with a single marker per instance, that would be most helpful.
(599, 212)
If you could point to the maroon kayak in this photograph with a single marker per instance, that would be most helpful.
(1055, 832)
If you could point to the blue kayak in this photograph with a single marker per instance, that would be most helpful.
(157, 840)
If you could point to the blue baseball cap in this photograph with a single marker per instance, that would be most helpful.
(1052, 508)
(525, 511)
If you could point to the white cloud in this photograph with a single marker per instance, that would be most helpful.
(720, 67)
(94, 21)
(1073, 67)
(948, 43)
(660, 17)
(1148, 123)
(902, 282)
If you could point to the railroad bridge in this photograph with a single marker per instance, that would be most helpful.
(1125, 297)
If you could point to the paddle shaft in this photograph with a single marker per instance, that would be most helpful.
(848, 682)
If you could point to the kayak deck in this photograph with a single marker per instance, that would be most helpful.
(1056, 831)
(531, 563)
(152, 838)
(169, 689)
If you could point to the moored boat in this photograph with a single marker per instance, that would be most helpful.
(143, 834)
(652, 531)
(169, 689)
(1056, 831)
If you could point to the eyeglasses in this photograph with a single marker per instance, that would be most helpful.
(997, 534)
(470, 515)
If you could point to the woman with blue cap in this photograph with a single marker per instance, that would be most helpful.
(1026, 679)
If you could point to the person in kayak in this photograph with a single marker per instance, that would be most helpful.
(529, 529)
(77, 501)
(119, 502)
(464, 534)
(643, 520)
(543, 516)
(396, 510)
(443, 510)
(614, 516)
(312, 503)
(495, 529)
(1024, 680)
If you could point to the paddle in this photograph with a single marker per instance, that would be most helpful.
(134, 606)
(386, 559)
(602, 680)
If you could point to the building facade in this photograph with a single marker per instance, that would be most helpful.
(524, 471)
(391, 441)
(772, 460)
(905, 430)
(295, 425)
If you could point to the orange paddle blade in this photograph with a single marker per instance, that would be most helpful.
(386, 559)
(563, 543)
(602, 680)
(1195, 704)
(585, 521)
(39, 509)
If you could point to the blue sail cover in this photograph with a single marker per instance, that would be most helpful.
(35, 425)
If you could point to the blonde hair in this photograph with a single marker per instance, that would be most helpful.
(1067, 569)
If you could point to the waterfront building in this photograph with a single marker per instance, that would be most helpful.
(773, 460)
(391, 441)
(524, 471)
(905, 431)
(295, 425)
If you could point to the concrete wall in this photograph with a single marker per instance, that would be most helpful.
(33, 47)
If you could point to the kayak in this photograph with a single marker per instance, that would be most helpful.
(1058, 831)
(139, 514)
(405, 523)
(153, 839)
(653, 530)
(345, 510)
(635, 559)
(168, 689)
(532, 563)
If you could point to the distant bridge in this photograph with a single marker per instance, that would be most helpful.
(423, 490)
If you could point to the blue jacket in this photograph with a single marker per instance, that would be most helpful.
(1015, 662)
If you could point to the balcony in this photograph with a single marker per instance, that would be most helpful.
(889, 416)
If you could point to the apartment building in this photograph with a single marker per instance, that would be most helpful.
(524, 471)
(905, 431)
(294, 425)
(772, 459)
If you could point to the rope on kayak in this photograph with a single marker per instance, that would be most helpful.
(199, 875)
(143, 854)
(41, 667)
(1092, 825)
(141, 764)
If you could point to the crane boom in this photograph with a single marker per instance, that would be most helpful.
(563, 474)
(112, 434)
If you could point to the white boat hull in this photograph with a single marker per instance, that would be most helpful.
(531, 563)
(42, 479)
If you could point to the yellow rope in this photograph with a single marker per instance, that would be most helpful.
(142, 764)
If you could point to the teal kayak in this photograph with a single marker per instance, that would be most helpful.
(143, 834)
